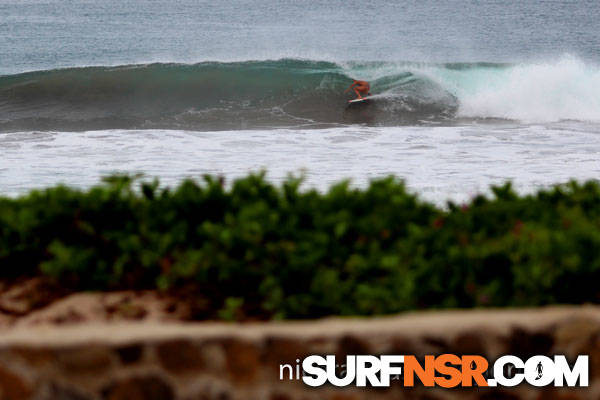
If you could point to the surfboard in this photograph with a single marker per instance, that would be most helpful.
(359, 100)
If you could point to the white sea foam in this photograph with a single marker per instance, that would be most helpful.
(567, 89)
(439, 163)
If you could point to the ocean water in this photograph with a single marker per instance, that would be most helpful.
(465, 93)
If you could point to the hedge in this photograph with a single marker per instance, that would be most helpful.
(253, 249)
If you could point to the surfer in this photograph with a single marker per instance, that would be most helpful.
(360, 87)
(539, 370)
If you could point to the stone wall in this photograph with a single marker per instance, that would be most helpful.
(207, 361)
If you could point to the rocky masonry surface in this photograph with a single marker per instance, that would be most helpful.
(205, 361)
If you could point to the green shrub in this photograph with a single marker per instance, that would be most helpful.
(257, 250)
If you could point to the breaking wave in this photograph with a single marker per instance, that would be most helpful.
(294, 93)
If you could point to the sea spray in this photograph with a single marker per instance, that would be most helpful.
(566, 89)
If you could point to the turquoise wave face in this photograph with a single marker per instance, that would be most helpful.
(213, 96)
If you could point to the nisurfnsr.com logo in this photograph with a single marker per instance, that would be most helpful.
(446, 371)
